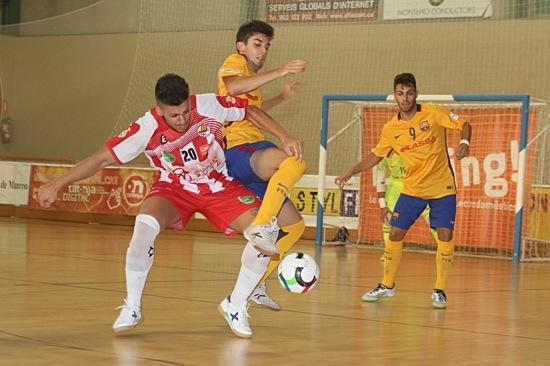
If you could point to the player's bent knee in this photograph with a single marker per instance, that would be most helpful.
(148, 220)
(140, 253)
(444, 234)
(397, 234)
(296, 165)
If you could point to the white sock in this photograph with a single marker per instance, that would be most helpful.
(140, 256)
(253, 267)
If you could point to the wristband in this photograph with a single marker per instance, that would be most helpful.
(464, 141)
(382, 202)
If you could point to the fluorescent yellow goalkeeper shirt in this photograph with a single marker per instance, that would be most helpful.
(237, 133)
(422, 143)
(395, 165)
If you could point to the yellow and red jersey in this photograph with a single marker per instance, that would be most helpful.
(422, 144)
(237, 133)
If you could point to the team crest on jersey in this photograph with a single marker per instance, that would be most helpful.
(424, 126)
(453, 116)
(246, 199)
(230, 99)
(168, 157)
(163, 139)
(203, 130)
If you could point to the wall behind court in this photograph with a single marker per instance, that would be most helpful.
(69, 92)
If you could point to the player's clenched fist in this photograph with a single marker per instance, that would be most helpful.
(47, 195)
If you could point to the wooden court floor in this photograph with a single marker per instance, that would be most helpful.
(60, 284)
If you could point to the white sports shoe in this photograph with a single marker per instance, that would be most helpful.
(262, 236)
(439, 299)
(128, 319)
(260, 297)
(236, 317)
(378, 292)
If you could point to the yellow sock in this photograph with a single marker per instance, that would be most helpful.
(386, 232)
(443, 262)
(290, 171)
(289, 237)
(392, 257)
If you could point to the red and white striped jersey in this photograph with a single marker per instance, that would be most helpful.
(193, 160)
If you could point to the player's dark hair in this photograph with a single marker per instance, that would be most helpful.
(171, 89)
(406, 79)
(254, 27)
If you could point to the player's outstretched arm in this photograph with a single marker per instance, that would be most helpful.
(291, 145)
(367, 163)
(47, 193)
(237, 85)
(463, 149)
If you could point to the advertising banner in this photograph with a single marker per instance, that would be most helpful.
(432, 9)
(120, 191)
(309, 11)
(117, 191)
(341, 206)
(14, 183)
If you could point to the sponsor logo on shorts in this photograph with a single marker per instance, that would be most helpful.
(246, 199)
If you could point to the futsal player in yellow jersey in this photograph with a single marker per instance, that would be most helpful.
(269, 171)
(418, 133)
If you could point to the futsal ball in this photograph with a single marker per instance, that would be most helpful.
(298, 273)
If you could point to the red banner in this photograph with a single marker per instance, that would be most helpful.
(117, 191)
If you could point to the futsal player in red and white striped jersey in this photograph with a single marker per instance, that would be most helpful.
(182, 138)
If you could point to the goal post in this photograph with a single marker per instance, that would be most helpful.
(491, 113)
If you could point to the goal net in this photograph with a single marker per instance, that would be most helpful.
(503, 186)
